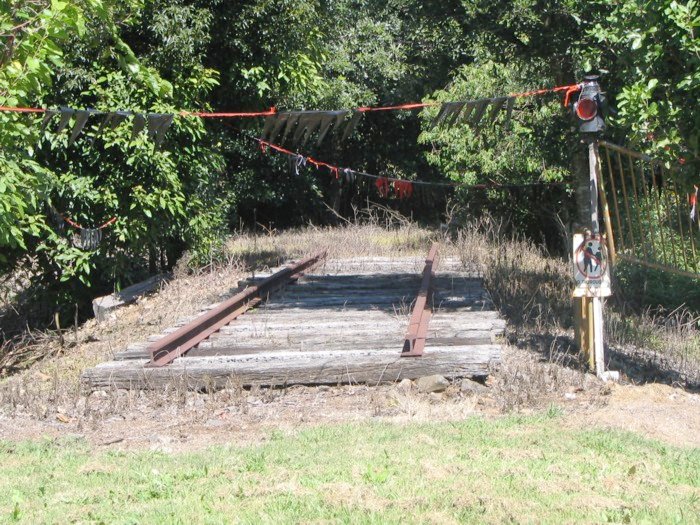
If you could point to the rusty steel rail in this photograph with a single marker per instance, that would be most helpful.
(166, 350)
(417, 333)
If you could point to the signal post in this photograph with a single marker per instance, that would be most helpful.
(592, 255)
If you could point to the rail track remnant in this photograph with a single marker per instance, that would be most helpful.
(346, 323)
(166, 350)
(418, 325)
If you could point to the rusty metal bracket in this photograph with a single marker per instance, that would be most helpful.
(166, 350)
(417, 333)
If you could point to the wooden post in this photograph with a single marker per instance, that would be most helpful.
(594, 171)
(596, 336)
(596, 349)
(590, 335)
(583, 327)
(588, 311)
(580, 171)
(578, 324)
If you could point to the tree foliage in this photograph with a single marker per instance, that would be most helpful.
(33, 37)
(167, 56)
(164, 198)
(653, 64)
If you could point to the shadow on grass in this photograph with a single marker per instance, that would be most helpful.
(649, 369)
(552, 348)
(637, 368)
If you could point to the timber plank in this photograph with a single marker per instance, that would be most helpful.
(230, 346)
(338, 347)
(359, 340)
(261, 312)
(370, 326)
(289, 368)
(344, 325)
(102, 306)
(348, 324)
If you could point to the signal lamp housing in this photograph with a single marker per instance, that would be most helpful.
(589, 107)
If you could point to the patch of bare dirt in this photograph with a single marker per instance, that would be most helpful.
(526, 382)
(151, 420)
(658, 411)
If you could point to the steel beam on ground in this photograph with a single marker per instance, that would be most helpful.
(169, 348)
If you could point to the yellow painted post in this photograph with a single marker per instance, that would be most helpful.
(590, 334)
(606, 217)
(580, 311)
(577, 303)
(583, 328)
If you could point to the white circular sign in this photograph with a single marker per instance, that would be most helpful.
(591, 257)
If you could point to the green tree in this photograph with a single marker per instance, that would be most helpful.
(651, 52)
(32, 36)
(165, 198)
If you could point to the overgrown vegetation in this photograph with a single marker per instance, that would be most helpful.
(377, 232)
(639, 287)
(532, 289)
(205, 180)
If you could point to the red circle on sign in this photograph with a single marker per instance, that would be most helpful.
(601, 262)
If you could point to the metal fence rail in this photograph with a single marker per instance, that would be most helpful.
(648, 211)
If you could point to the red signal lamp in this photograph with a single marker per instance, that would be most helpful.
(586, 108)
(590, 106)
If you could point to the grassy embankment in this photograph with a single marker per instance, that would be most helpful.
(530, 288)
(522, 469)
(650, 337)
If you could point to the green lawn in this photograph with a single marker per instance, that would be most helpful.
(521, 469)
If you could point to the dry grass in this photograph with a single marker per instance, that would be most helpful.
(55, 381)
(524, 381)
(533, 291)
(47, 365)
(530, 288)
(656, 344)
(353, 240)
